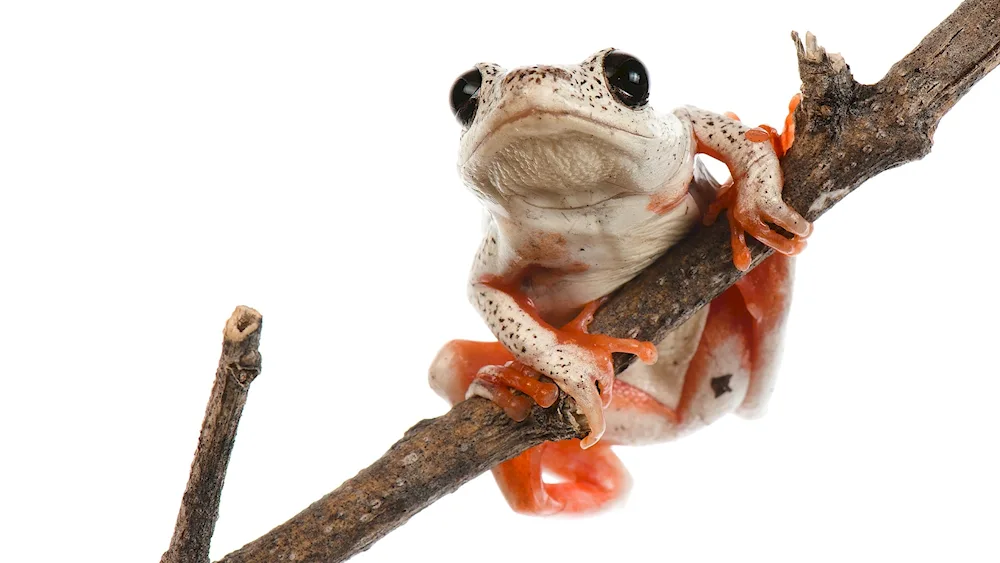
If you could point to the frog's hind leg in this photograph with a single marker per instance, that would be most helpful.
(592, 478)
(460, 363)
(457, 364)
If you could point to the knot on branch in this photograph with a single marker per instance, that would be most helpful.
(245, 369)
(241, 361)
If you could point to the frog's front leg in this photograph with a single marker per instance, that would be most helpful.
(592, 478)
(528, 347)
(754, 199)
(578, 362)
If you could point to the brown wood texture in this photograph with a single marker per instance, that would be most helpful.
(846, 132)
(239, 364)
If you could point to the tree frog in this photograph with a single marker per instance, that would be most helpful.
(584, 185)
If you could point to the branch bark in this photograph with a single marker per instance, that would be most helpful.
(845, 133)
(239, 364)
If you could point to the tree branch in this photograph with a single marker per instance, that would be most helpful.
(239, 364)
(433, 458)
(845, 133)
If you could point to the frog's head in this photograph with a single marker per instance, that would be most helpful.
(566, 136)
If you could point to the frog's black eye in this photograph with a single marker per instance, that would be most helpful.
(465, 96)
(627, 78)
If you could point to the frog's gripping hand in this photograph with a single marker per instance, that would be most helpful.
(753, 198)
(578, 362)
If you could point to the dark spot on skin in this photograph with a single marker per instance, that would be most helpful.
(720, 385)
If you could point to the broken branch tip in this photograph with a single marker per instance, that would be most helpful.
(243, 322)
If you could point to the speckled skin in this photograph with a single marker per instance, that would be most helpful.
(582, 193)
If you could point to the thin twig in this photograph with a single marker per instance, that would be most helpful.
(239, 364)
(846, 133)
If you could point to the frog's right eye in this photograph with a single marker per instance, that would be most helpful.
(465, 96)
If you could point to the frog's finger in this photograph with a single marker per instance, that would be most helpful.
(737, 238)
(589, 403)
(517, 407)
(759, 230)
(789, 219)
(780, 243)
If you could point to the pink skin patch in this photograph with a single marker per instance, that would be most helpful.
(661, 203)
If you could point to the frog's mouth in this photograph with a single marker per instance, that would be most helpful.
(528, 201)
(490, 132)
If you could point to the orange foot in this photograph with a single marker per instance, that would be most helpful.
(589, 377)
(499, 382)
(745, 218)
(590, 478)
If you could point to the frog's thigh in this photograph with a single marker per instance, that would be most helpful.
(457, 364)
(719, 374)
(737, 358)
(710, 382)
(646, 397)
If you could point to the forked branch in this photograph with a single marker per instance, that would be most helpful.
(845, 133)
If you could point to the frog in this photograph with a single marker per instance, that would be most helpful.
(583, 186)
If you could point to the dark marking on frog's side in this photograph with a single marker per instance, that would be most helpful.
(720, 385)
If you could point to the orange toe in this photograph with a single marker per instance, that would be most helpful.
(602, 346)
(502, 381)
(787, 137)
(577, 330)
(738, 240)
(516, 406)
(757, 135)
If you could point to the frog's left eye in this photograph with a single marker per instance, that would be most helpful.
(627, 78)
(465, 96)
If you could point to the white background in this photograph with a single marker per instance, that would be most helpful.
(160, 165)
